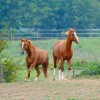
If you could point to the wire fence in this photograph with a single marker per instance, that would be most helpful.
(38, 34)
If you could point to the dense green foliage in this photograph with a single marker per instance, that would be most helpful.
(50, 14)
(9, 67)
(10, 70)
(91, 68)
(3, 43)
(88, 68)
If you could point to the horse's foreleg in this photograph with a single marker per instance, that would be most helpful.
(29, 70)
(38, 73)
(28, 74)
(69, 67)
(54, 73)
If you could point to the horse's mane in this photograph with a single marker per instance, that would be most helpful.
(30, 42)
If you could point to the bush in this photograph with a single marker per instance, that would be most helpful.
(10, 70)
(91, 69)
(79, 65)
(9, 67)
(3, 43)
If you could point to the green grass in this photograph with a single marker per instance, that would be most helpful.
(87, 51)
(23, 72)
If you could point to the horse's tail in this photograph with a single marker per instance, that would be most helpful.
(45, 67)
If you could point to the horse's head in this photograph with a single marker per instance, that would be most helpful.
(72, 35)
(24, 45)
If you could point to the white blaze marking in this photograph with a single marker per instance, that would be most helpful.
(22, 44)
(76, 37)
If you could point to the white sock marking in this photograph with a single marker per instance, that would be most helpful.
(62, 76)
(59, 74)
(35, 79)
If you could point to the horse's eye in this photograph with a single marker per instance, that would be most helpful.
(72, 35)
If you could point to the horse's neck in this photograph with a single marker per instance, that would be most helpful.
(68, 44)
(29, 50)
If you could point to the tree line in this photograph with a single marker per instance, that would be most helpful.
(50, 14)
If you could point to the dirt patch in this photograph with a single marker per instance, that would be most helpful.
(82, 89)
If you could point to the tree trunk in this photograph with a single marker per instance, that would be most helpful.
(1, 74)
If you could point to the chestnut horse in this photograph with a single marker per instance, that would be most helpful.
(34, 58)
(63, 51)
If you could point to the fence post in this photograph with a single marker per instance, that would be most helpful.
(1, 74)
(11, 32)
(37, 34)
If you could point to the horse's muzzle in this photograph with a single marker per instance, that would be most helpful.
(22, 53)
(76, 41)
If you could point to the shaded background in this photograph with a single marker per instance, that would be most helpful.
(50, 14)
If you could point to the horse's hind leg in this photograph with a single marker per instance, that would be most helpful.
(38, 72)
(44, 68)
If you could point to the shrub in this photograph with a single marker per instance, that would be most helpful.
(79, 65)
(10, 70)
(9, 67)
(92, 68)
(3, 43)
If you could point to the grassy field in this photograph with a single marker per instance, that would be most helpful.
(77, 88)
(87, 51)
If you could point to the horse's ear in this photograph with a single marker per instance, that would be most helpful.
(29, 41)
(67, 33)
(22, 39)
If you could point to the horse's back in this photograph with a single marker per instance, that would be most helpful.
(42, 52)
(42, 56)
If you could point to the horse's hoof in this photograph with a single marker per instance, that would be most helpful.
(26, 80)
(53, 79)
(67, 76)
(66, 79)
(35, 79)
(62, 78)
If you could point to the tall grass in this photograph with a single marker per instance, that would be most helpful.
(87, 51)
